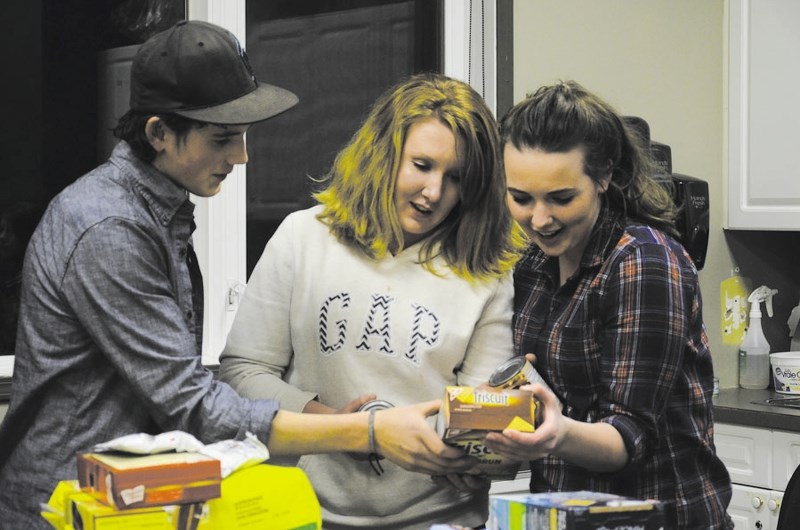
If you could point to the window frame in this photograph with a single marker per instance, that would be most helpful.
(220, 239)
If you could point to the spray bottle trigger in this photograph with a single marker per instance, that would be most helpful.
(762, 294)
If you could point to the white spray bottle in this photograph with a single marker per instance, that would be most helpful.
(754, 350)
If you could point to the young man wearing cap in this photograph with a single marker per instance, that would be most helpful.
(112, 307)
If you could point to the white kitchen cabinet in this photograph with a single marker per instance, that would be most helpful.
(787, 457)
(763, 184)
(754, 508)
(760, 463)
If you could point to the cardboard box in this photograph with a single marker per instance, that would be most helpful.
(578, 510)
(468, 414)
(130, 481)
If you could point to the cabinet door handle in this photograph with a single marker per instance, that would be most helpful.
(757, 501)
(774, 505)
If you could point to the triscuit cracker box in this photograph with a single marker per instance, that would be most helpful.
(573, 510)
(468, 414)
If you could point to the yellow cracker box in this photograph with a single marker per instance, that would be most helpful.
(72, 509)
(468, 414)
(87, 513)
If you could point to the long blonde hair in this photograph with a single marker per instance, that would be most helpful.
(479, 239)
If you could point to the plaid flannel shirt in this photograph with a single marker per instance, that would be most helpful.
(623, 342)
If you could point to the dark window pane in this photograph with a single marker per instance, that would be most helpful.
(338, 57)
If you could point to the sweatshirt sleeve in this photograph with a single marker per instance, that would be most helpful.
(491, 343)
(258, 351)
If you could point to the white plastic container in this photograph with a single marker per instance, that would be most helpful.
(786, 371)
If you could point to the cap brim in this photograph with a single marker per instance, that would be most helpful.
(262, 103)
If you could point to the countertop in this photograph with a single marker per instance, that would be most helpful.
(736, 406)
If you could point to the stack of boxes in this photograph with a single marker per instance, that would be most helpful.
(573, 510)
(180, 491)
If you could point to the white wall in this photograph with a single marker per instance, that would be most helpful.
(663, 60)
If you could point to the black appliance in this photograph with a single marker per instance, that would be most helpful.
(690, 194)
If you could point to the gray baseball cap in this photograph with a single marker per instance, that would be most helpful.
(200, 71)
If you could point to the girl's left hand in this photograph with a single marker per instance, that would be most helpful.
(548, 436)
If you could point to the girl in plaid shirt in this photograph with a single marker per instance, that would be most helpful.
(609, 305)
